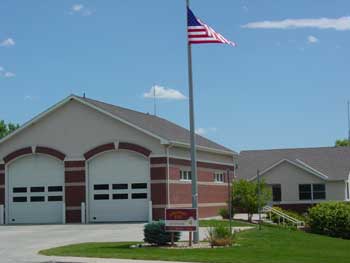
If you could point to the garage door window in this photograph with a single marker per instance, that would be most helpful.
(56, 198)
(55, 188)
(101, 197)
(19, 190)
(37, 199)
(139, 196)
(101, 187)
(20, 199)
(120, 186)
(139, 186)
(120, 196)
(37, 189)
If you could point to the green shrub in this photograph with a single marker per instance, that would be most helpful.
(155, 234)
(223, 212)
(293, 214)
(220, 236)
(331, 218)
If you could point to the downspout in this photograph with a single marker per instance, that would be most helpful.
(168, 175)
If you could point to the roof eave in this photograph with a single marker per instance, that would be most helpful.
(204, 149)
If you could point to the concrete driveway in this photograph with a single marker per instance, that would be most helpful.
(20, 244)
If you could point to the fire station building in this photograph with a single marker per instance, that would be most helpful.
(83, 160)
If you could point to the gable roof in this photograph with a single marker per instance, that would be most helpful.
(331, 163)
(162, 129)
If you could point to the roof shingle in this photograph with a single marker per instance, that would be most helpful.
(331, 161)
(156, 125)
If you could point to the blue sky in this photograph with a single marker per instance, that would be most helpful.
(285, 85)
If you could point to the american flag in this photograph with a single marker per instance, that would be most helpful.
(200, 33)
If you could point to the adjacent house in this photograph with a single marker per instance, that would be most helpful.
(300, 178)
(84, 160)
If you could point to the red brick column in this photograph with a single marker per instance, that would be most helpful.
(158, 191)
(75, 189)
(2, 184)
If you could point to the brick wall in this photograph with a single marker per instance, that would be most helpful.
(211, 196)
(75, 189)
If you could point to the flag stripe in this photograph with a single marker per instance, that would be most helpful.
(200, 33)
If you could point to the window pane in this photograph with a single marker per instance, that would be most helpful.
(276, 193)
(304, 187)
(319, 195)
(37, 189)
(120, 186)
(20, 199)
(101, 187)
(139, 186)
(139, 196)
(305, 196)
(19, 190)
(120, 196)
(319, 187)
(37, 199)
(55, 188)
(101, 197)
(55, 198)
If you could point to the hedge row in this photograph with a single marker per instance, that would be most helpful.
(331, 218)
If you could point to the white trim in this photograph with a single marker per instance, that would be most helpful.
(190, 205)
(72, 159)
(203, 148)
(301, 166)
(187, 182)
(312, 169)
(189, 159)
(116, 144)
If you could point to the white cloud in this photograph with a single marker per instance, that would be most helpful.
(30, 97)
(164, 93)
(204, 131)
(8, 42)
(9, 75)
(80, 9)
(312, 39)
(341, 23)
(77, 8)
(201, 131)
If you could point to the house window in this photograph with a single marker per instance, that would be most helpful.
(347, 190)
(276, 193)
(305, 192)
(185, 175)
(312, 191)
(219, 177)
(318, 191)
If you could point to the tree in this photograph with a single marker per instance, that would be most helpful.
(342, 143)
(6, 129)
(245, 196)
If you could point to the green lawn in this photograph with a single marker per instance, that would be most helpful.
(211, 223)
(270, 245)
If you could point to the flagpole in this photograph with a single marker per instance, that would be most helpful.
(192, 132)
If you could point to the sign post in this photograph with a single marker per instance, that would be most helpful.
(181, 220)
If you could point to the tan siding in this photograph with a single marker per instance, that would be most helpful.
(74, 129)
(290, 176)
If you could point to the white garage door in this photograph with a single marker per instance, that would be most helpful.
(35, 190)
(118, 187)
